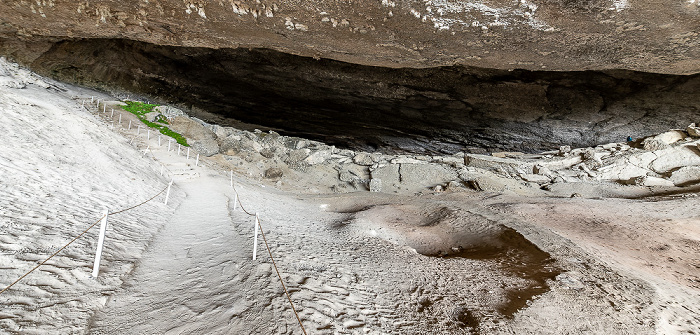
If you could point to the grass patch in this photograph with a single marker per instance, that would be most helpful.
(140, 109)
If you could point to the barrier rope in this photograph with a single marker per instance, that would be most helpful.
(77, 237)
(286, 292)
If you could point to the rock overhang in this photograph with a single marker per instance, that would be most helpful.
(561, 35)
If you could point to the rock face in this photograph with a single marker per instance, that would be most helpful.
(435, 110)
(655, 36)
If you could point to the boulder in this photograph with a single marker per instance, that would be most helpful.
(318, 157)
(497, 164)
(425, 175)
(273, 173)
(687, 175)
(693, 130)
(389, 174)
(663, 140)
(676, 157)
(191, 129)
(536, 178)
(363, 159)
(206, 147)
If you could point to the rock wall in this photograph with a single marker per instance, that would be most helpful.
(558, 35)
(434, 110)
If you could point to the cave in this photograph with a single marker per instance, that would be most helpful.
(434, 110)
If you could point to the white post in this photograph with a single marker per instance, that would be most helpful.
(120, 118)
(235, 202)
(92, 99)
(158, 139)
(112, 113)
(178, 149)
(138, 131)
(104, 107)
(100, 243)
(196, 163)
(188, 153)
(149, 135)
(255, 240)
(169, 142)
(161, 169)
(129, 124)
(167, 194)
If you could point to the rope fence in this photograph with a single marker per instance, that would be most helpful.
(103, 219)
(258, 225)
(79, 236)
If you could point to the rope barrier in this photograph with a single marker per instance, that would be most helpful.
(269, 251)
(77, 237)
(274, 264)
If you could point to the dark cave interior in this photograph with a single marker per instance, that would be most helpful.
(431, 110)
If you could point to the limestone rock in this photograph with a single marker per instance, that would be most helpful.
(663, 140)
(318, 157)
(191, 128)
(273, 173)
(425, 175)
(152, 116)
(168, 111)
(535, 178)
(389, 174)
(375, 185)
(205, 147)
(693, 130)
(407, 160)
(363, 159)
(686, 176)
(298, 155)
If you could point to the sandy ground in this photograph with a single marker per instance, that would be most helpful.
(352, 262)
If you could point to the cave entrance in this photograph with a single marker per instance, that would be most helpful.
(393, 110)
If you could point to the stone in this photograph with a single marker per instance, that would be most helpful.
(347, 176)
(318, 157)
(363, 159)
(656, 181)
(685, 176)
(298, 155)
(693, 130)
(536, 178)
(389, 174)
(169, 112)
(664, 140)
(653, 144)
(495, 163)
(425, 175)
(191, 129)
(152, 116)
(375, 185)
(407, 160)
(273, 173)
(564, 149)
(205, 147)
(542, 170)
(675, 157)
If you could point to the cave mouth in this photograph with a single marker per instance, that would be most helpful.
(439, 110)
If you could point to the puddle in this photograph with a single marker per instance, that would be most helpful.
(518, 257)
(439, 231)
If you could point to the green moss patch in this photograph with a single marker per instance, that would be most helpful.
(140, 109)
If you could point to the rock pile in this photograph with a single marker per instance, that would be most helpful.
(670, 159)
